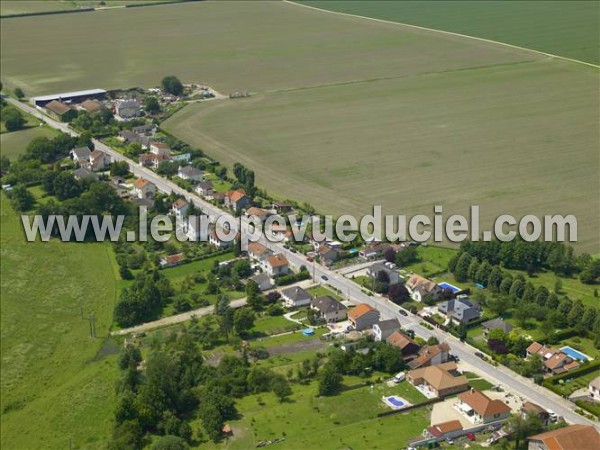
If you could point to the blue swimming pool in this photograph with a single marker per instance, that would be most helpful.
(449, 286)
(395, 401)
(570, 351)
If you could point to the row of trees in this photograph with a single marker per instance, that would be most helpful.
(534, 256)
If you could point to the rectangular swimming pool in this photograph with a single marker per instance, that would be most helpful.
(570, 351)
(449, 286)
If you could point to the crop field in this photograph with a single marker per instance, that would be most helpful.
(10, 7)
(515, 139)
(564, 28)
(57, 383)
(229, 45)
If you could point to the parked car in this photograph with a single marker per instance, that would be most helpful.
(309, 259)
(480, 355)
(470, 436)
(552, 415)
(404, 313)
(324, 278)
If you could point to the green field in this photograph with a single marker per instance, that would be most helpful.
(563, 28)
(229, 45)
(344, 421)
(493, 137)
(14, 144)
(57, 383)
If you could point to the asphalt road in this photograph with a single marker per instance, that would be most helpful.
(519, 385)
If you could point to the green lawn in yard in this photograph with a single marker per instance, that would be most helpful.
(321, 291)
(270, 325)
(289, 338)
(57, 382)
(178, 273)
(15, 143)
(347, 420)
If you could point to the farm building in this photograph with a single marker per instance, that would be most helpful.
(69, 97)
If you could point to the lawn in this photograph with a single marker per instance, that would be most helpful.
(347, 420)
(321, 291)
(57, 382)
(564, 28)
(342, 147)
(270, 325)
(15, 143)
(178, 273)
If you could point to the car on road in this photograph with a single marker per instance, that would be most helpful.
(309, 259)
(324, 278)
(552, 415)
(404, 313)
(470, 436)
(480, 355)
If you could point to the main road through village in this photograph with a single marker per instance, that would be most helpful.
(522, 386)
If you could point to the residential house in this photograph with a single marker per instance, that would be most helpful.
(282, 208)
(277, 265)
(171, 260)
(189, 173)
(180, 208)
(205, 189)
(82, 173)
(60, 111)
(328, 255)
(236, 200)
(197, 228)
(420, 288)
(91, 106)
(408, 347)
(461, 309)
(214, 239)
(496, 324)
(439, 380)
(387, 268)
(99, 160)
(145, 130)
(127, 109)
(80, 155)
(374, 250)
(555, 361)
(278, 230)
(385, 328)
(152, 160)
(143, 188)
(480, 409)
(258, 252)
(263, 281)
(363, 316)
(594, 389)
(445, 430)
(329, 309)
(258, 213)
(430, 355)
(573, 437)
(295, 297)
(130, 137)
(160, 148)
(530, 408)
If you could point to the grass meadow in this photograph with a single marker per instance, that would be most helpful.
(563, 28)
(57, 383)
(14, 143)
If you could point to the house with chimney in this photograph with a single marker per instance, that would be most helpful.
(329, 309)
(572, 437)
(439, 380)
(384, 329)
(420, 287)
(143, 188)
(277, 265)
(236, 200)
(431, 355)
(295, 297)
(460, 310)
(408, 347)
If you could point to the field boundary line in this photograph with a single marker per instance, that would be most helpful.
(451, 33)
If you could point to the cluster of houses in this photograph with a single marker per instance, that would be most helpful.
(555, 361)
(89, 161)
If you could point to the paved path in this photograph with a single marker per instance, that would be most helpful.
(353, 292)
(172, 320)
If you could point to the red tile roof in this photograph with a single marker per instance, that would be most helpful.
(482, 404)
(574, 437)
(360, 311)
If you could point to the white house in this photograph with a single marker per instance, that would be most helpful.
(205, 189)
(263, 281)
(189, 173)
(277, 265)
(295, 297)
(594, 388)
(420, 287)
(179, 208)
(98, 160)
(160, 148)
(143, 188)
(80, 154)
(480, 409)
(385, 328)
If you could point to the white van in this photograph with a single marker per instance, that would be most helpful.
(399, 377)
